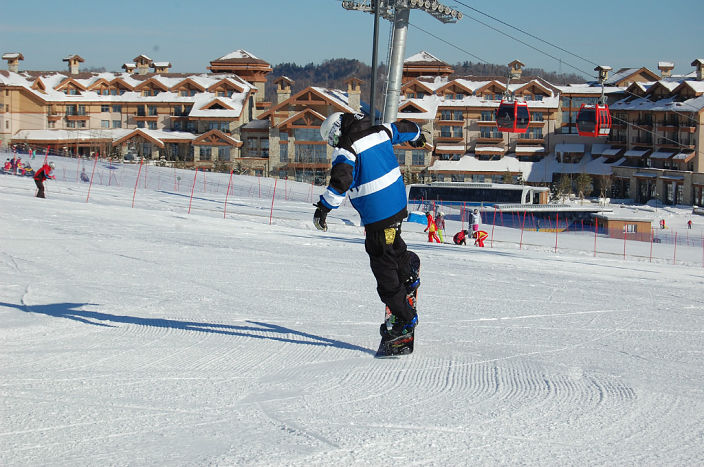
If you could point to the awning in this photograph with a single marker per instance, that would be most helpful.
(569, 147)
(674, 178)
(645, 175)
(684, 156)
(611, 151)
(661, 155)
(529, 149)
(451, 149)
(636, 152)
(598, 149)
(489, 150)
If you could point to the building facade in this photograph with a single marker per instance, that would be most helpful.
(220, 120)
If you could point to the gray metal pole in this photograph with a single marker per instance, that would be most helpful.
(372, 97)
(393, 89)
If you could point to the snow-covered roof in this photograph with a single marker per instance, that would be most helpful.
(569, 147)
(238, 54)
(533, 171)
(422, 56)
(635, 152)
(51, 80)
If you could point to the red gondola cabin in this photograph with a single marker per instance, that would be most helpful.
(594, 120)
(513, 116)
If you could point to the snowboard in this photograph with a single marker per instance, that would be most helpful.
(402, 345)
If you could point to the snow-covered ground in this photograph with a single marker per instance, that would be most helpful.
(146, 335)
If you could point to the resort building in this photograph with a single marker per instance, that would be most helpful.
(221, 120)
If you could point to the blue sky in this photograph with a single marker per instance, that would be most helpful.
(619, 33)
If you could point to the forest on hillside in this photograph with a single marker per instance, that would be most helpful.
(334, 72)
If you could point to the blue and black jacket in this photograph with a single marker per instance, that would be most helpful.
(365, 165)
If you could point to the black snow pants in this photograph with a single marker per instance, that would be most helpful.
(40, 187)
(389, 260)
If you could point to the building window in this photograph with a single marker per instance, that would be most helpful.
(283, 152)
(70, 124)
(401, 157)
(418, 158)
(488, 116)
(105, 124)
(224, 153)
(311, 153)
(52, 124)
(117, 109)
(117, 124)
(140, 124)
(152, 110)
(105, 108)
(152, 125)
(445, 132)
(81, 124)
(307, 134)
(206, 153)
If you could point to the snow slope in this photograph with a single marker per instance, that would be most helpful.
(150, 336)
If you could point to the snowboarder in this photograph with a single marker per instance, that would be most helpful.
(84, 175)
(431, 228)
(460, 237)
(42, 174)
(365, 165)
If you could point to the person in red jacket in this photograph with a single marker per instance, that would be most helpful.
(479, 237)
(42, 174)
(460, 237)
(432, 228)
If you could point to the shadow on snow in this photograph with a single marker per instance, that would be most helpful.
(255, 329)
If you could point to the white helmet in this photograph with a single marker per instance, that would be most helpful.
(441, 214)
(52, 165)
(330, 129)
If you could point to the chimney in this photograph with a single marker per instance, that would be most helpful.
(143, 63)
(283, 88)
(354, 93)
(13, 61)
(698, 64)
(129, 67)
(665, 69)
(516, 69)
(74, 62)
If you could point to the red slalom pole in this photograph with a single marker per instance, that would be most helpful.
(192, 189)
(137, 181)
(557, 223)
(652, 234)
(227, 193)
(46, 156)
(91, 176)
(596, 229)
(493, 224)
(271, 212)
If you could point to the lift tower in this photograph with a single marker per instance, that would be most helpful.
(398, 12)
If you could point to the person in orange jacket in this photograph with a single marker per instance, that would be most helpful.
(432, 228)
(42, 174)
(479, 237)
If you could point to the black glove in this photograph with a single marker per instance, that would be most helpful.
(418, 143)
(320, 215)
